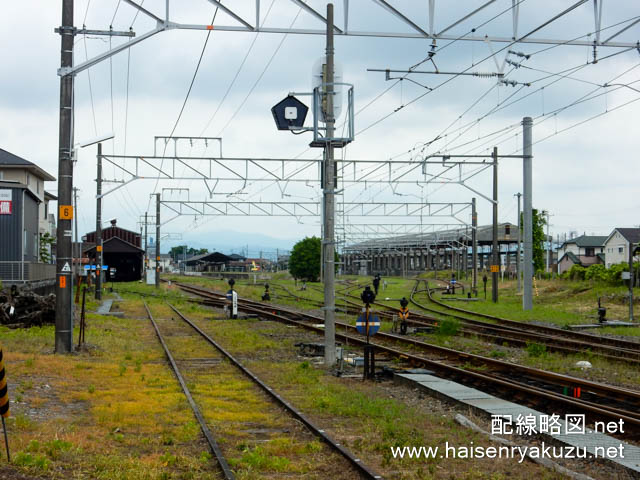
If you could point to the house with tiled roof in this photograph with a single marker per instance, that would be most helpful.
(585, 250)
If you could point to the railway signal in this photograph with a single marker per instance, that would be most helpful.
(232, 297)
(404, 315)
(368, 324)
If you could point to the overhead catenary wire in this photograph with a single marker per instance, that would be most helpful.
(264, 70)
(235, 77)
(530, 55)
(184, 103)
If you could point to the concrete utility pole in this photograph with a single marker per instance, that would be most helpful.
(518, 256)
(495, 249)
(329, 207)
(99, 225)
(64, 293)
(474, 243)
(146, 253)
(157, 240)
(527, 298)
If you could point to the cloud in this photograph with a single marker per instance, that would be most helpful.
(581, 174)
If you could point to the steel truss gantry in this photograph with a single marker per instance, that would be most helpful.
(313, 209)
(420, 24)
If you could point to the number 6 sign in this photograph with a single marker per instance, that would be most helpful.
(66, 212)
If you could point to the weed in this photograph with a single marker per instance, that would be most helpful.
(168, 460)
(34, 446)
(122, 369)
(138, 366)
(497, 354)
(28, 460)
(205, 457)
(29, 362)
(91, 389)
(536, 350)
(448, 327)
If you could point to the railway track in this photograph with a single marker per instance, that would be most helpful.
(185, 327)
(538, 388)
(622, 352)
(619, 346)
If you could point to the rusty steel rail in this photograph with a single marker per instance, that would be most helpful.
(498, 379)
(365, 471)
(495, 333)
(587, 337)
(215, 448)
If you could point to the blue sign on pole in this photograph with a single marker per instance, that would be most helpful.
(374, 324)
(93, 267)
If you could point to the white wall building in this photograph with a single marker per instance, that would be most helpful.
(616, 247)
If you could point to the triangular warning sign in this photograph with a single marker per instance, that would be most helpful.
(66, 267)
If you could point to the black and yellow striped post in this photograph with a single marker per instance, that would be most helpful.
(4, 402)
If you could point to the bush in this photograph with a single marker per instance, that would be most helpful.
(577, 272)
(596, 272)
(614, 273)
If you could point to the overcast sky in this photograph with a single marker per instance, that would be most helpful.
(585, 174)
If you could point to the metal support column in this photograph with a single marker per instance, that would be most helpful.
(527, 298)
(157, 240)
(64, 293)
(329, 207)
(99, 256)
(518, 255)
(474, 243)
(495, 252)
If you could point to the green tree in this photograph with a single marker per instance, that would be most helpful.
(178, 252)
(304, 262)
(539, 222)
(46, 240)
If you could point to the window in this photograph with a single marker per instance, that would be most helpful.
(37, 185)
(1, 175)
(507, 229)
(620, 249)
(589, 251)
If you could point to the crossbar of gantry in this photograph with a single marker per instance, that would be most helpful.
(314, 209)
(412, 22)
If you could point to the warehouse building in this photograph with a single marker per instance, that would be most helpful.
(121, 253)
(445, 249)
